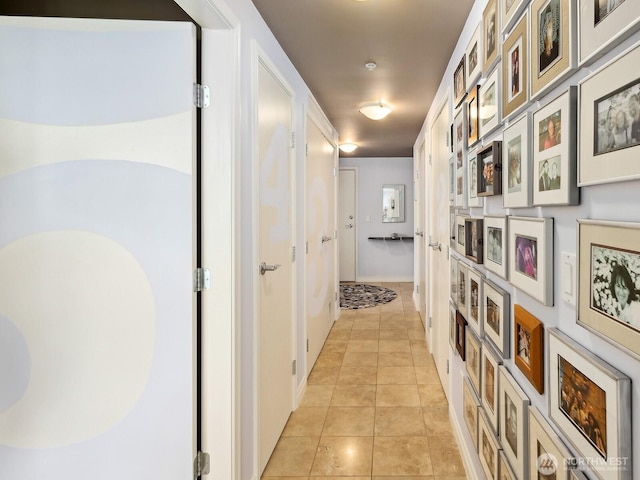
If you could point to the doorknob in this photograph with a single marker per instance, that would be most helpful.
(436, 246)
(264, 268)
(419, 233)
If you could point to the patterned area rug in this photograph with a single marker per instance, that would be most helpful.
(361, 295)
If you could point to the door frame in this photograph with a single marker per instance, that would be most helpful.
(260, 57)
(355, 226)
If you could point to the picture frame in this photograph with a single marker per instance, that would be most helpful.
(490, 105)
(553, 47)
(496, 250)
(608, 279)
(505, 470)
(473, 199)
(511, 9)
(531, 252)
(606, 150)
(453, 280)
(471, 407)
(488, 448)
(575, 474)
(515, 65)
(545, 445)
(517, 191)
(473, 350)
(490, 169)
(474, 239)
(462, 287)
(452, 181)
(474, 302)
(514, 422)
(528, 348)
(491, 37)
(600, 31)
(452, 227)
(554, 151)
(490, 383)
(461, 323)
(496, 305)
(474, 56)
(460, 156)
(460, 234)
(452, 327)
(473, 113)
(603, 432)
(459, 85)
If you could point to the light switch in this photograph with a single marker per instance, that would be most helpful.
(568, 277)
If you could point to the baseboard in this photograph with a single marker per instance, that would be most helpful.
(300, 392)
(384, 279)
(467, 459)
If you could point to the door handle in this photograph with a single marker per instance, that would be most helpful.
(264, 268)
(436, 246)
(326, 238)
(419, 233)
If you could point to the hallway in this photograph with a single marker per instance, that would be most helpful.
(374, 407)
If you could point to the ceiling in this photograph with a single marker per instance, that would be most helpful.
(329, 42)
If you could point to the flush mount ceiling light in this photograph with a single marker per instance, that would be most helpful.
(371, 66)
(348, 147)
(375, 110)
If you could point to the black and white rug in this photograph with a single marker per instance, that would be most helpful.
(361, 295)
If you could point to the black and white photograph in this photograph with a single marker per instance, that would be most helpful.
(514, 165)
(615, 280)
(549, 174)
(549, 35)
(602, 9)
(617, 119)
(526, 256)
(549, 129)
(494, 247)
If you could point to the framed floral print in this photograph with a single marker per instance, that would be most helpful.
(553, 459)
(514, 422)
(490, 383)
(491, 38)
(474, 56)
(515, 64)
(516, 154)
(495, 245)
(490, 106)
(496, 316)
(528, 349)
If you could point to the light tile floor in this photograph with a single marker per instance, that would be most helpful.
(374, 407)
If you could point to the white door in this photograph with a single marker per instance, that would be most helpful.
(419, 234)
(274, 239)
(320, 241)
(438, 235)
(347, 224)
(97, 249)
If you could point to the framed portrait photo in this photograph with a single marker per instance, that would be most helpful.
(461, 343)
(453, 280)
(516, 154)
(488, 448)
(474, 301)
(490, 361)
(528, 338)
(603, 25)
(511, 10)
(474, 241)
(554, 152)
(552, 456)
(473, 199)
(490, 112)
(490, 169)
(496, 305)
(531, 251)
(471, 407)
(460, 234)
(472, 115)
(495, 245)
(553, 50)
(459, 85)
(475, 58)
(452, 326)
(460, 147)
(514, 422)
(462, 287)
(505, 470)
(491, 37)
(515, 64)
(590, 402)
(609, 281)
(473, 349)
(609, 102)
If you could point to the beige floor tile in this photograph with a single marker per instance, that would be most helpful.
(335, 346)
(349, 422)
(392, 324)
(427, 375)
(293, 456)
(394, 346)
(395, 359)
(399, 422)
(413, 321)
(343, 324)
(317, 396)
(396, 317)
(432, 396)
(362, 346)
(358, 376)
(364, 335)
(329, 359)
(421, 359)
(354, 396)
(343, 456)
(305, 422)
(401, 456)
(437, 420)
(368, 314)
(339, 335)
(416, 334)
(427, 477)
(360, 359)
(445, 456)
(394, 334)
(366, 324)
(323, 376)
(397, 396)
(396, 376)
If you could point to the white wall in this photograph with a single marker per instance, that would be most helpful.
(379, 260)
(617, 201)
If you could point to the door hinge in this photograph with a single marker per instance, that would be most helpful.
(294, 367)
(430, 159)
(201, 279)
(293, 139)
(417, 288)
(336, 296)
(201, 95)
(447, 366)
(335, 234)
(201, 465)
(293, 254)
(307, 345)
(429, 322)
(418, 174)
(306, 149)
(306, 247)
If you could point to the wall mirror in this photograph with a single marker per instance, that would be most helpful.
(392, 203)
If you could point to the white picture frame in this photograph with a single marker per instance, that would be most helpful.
(472, 354)
(514, 422)
(506, 472)
(517, 164)
(488, 447)
(554, 152)
(496, 305)
(473, 200)
(453, 280)
(510, 10)
(471, 408)
(460, 234)
(604, 155)
(496, 245)
(474, 301)
(491, 39)
(490, 383)
(490, 116)
(572, 369)
(531, 256)
(462, 287)
(452, 326)
(552, 456)
(452, 182)
(474, 50)
(460, 156)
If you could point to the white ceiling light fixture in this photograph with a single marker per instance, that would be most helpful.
(348, 147)
(371, 66)
(375, 110)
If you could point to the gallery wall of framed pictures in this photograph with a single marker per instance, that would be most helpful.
(556, 113)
